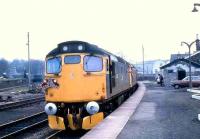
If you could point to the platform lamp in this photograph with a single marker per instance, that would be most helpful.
(195, 9)
(189, 47)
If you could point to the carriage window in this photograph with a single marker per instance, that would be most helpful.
(93, 64)
(54, 65)
(75, 59)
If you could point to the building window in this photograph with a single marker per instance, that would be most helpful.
(170, 71)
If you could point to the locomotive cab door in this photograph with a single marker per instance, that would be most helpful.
(113, 74)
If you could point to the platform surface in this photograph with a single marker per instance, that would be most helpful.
(164, 113)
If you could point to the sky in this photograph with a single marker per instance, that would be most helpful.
(119, 26)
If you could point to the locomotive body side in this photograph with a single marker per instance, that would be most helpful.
(119, 78)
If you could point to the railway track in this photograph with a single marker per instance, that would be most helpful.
(10, 88)
(23, 125)
(20, 103)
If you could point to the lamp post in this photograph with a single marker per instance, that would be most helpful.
(195, 9)
(29, 64)
(143, 61)
(189, 47)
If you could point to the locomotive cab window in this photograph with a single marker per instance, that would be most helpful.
(74, 59)
(93, 63)
(53, 65)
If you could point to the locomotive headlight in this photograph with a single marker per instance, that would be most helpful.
(65, 48)
(92, 107)
(80, 47)
(50, 109)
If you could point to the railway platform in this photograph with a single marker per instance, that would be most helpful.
(163, 113)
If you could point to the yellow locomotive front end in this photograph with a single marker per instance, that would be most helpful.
(81, 79)
(74, 85)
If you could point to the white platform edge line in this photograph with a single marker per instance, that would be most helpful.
(193, 91)
(196, 97)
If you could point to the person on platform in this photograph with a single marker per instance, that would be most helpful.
(160, 79)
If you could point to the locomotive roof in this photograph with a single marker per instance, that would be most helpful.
(87, 48)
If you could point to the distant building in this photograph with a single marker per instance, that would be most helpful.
(13, 73)
(151, 67)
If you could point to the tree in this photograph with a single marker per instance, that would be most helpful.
(37, 67)
(4, 66)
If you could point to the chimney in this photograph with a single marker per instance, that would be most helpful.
(197, 44)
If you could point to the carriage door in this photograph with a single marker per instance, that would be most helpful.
(113, 74)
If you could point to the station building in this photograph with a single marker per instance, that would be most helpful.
(178, 67)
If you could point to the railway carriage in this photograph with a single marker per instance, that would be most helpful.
(82, 83)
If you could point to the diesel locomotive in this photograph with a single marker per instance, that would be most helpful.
(83, 83)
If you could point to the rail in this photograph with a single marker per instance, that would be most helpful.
(54, 134)
(11, 129)
(20, 103)
(9, 88)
